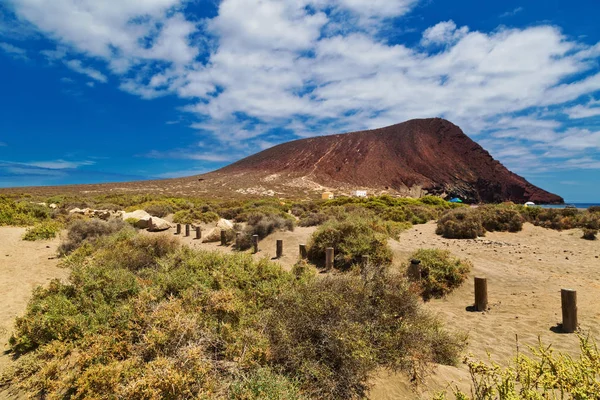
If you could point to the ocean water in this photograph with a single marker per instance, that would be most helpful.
(578, 205)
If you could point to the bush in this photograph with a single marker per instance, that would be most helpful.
(159, 210)
(333, 332)
(500, 219)
(263, 226)
(21, 213)
(594, 209)
(42, 231)
(81, 231)
(460, 224)
(440, 272)
(590, 234)
(313, 219)
(194, 216)
(544, 375)
(351, 239)
(142, 317)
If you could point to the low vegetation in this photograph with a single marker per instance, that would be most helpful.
(43, 231)
(144, 317)
(194, 216)
(351, 238)
(544, 375)
(441, 273)
(80, 231)
(590, 234)
(22, 213)
(263, 225)
(460, 224)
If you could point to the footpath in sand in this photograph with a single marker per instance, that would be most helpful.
(525, 272)
(23, 266)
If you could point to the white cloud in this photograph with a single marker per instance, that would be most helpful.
(191, 155)
(77, 66)
(58, 164)
(13, 50)
(320, 66)
(444, 33)
(512, 12)
(591, 109)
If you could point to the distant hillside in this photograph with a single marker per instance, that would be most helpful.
(414, 158)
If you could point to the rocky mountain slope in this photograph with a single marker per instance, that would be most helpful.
(414, 158)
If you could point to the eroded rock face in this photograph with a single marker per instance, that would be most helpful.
(431, 155)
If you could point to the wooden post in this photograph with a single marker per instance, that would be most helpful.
(364, 266)
(414, 270)
(303, 252)
(238, 237)
(187, 229)
(255, 243)
(149, 224)
(223, 237)
(329, 258)
(198, 233)
(481, 295)
(568, 299)
(178, 232)
(279, 248)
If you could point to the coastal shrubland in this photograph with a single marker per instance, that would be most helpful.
(43, 230)
(351, 238)
(461, 224)
(441, 272)
(545, 374)
(142, 316)
(263, 225)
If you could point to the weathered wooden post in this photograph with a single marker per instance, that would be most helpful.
(238, 238)
(568, 299)
(255, 243)
(223, 237)
(178, 232)
(187, 229)
(149, 224)
(364, 266)
(329, 258)
(303, 252)
(279, 248)
(414, 270)
(481, 295)
(198, 233)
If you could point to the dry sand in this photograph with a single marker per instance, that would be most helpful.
(23, 266)
(525, 272)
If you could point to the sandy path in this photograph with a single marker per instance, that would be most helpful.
(525, 272)
(23, 266)
(266, 247)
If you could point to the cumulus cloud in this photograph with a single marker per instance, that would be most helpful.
(13, 50)
(309, 67)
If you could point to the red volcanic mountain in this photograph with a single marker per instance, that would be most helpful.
(415, 157)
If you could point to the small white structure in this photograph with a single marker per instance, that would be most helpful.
(529, 204)
(359, 193)
(327, 196)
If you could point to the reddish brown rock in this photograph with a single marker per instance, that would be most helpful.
(433, 154)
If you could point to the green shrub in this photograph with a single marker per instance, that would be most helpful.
(440, 272)
(80, 231)
(500, 219)
(263, 226)
(460, 224)
(42, 231)
(351, 239)
(22, 213)
(313, 219)
(194, 216)
(334, 332)
(594, 209)
(159, 210)
(544, 375)
(143, 317)
(590, 234)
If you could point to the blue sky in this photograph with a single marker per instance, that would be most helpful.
(115, 90)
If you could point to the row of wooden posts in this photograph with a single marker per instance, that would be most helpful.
(568, 296)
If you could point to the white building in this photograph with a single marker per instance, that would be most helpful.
(359, 193)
